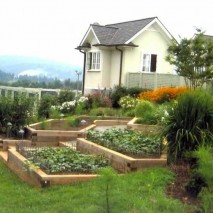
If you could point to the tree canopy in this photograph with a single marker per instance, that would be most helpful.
(193, 59)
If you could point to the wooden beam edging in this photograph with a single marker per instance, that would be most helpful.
(110, 122)
(120, 162)
(17, 163)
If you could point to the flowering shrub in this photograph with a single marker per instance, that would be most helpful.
(82, 99)
(82, 105)
(163, 94)
(68, 107)
(99, 100)
(128, 102)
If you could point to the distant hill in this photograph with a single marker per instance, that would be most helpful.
(20, 65)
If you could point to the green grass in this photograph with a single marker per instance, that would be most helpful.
(136, 192)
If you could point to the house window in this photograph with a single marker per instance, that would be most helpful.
(149, 62)
(93, 60)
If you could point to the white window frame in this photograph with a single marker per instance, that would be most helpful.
(93, 61)
(146, 62)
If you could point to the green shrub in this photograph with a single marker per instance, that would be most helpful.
(82, 106)
(152, 114)
(102, 111)
(17, 111)
(143, 107)
(120, 91)
(202, 181)
(55, 112)
(117, 93)
(150, 118)
(74, 121)
(135, 91)
(129, 112)
(45, 104)
(189, 123)
(5, 109)
(44, 125)
(66, 95)
(21, 112)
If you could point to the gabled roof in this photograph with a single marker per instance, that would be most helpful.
(121, 33)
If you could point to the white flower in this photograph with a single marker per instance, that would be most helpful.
(166, 113)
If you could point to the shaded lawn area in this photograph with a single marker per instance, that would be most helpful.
(136, 192)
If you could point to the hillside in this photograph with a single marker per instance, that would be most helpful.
(21, 65)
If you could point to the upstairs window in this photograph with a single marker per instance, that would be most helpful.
(93, 60)
(149, 62)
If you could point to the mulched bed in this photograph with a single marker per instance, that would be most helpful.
(64, 125)
(177, 188)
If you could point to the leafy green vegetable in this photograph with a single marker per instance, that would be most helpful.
(126, 141)
(58, 160)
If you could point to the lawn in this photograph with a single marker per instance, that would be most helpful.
(136, 192)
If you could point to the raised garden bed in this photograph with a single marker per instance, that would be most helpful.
(64, 124)
(53, 134)
(59, 161)
(129, 142)
(127, 150)
(120, 162)
(64, 160)
(144, 128)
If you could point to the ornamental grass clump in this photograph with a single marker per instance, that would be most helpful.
(189, 124)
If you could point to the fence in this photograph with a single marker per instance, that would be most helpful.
(153, 80)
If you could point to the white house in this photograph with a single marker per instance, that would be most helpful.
(112, 51)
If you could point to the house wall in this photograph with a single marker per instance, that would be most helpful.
(115, 68)
(151, 42)
(93, 79)
(106, 68)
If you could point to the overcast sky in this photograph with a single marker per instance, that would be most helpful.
(54, 28)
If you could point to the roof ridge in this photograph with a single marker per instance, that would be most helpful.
(106, 26)
(132, 21)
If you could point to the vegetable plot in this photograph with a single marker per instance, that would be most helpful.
(66, 160)
(126, 141)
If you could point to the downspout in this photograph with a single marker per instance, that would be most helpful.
(121, 64)
(84, 70)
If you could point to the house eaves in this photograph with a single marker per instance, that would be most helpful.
(115, 45)
(90, 30)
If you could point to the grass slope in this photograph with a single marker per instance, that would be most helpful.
(136, 192)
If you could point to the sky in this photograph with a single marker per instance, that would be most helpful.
(52, 29)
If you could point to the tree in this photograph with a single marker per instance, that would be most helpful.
(193, 59)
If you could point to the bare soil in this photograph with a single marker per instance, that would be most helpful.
(64, 125)
(177, 188)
